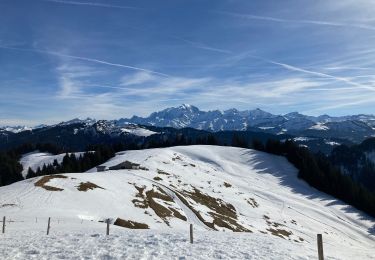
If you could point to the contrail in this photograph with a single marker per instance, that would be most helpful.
(201, 45)
(90, 4)
(315, 73)
(313, 22)
(86, 59)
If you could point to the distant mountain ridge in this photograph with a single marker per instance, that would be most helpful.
(353, 128)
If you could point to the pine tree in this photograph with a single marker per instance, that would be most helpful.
(30, 173)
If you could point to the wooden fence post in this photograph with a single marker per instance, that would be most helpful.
(320, 246)
(49, 221)
(3, 224)
(107, 226)
(191, 233)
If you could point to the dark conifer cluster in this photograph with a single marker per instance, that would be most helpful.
(318, 171)
(355, 162)
(10, 168)
(73, 164)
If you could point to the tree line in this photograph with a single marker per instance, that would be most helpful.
(72, 163)
(318, 171)
(356, 162)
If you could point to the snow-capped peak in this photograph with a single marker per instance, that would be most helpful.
(87, 121)
(17, 129)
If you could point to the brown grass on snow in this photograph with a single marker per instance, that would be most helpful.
(85, 186)
(130, 224)
(45, 179)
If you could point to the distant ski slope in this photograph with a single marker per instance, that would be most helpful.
(36, 159)
(216, 188)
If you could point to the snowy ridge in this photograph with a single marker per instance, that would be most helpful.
(233, 119)
(353, 128)
(216, 188)
(17, 129)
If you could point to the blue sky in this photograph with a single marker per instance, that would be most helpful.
(111, 59)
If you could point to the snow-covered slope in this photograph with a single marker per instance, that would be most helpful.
(87, 240)
(34, 160)
(216, 188)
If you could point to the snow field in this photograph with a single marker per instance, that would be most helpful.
(262, 192)
(72, 239)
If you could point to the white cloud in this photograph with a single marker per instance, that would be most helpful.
(91, 60)
(90, 4)
(71, 78)
(137, 78)
(292, 21)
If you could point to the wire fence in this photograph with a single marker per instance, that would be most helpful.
(55, 225)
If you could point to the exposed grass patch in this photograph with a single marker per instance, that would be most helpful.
(280, 232)
(224, 214)
(130, 224)
(176, 158)
(7, 205)
(275, 230)
(45, 179)
(252, 202)
(212, 203)
(158, 194)
(140, 202)
(149, 198)
(227, 185)
(178, 214)
(162, 172)
(85, 186)
(272, 224)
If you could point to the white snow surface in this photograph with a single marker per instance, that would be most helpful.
(282, 212)
(303, 139)
(332, 143)
(36, 159)
(138, 131)
(17, 129)
(70, 239)
(319, 126)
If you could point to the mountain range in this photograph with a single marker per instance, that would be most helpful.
(355, 128)
(316, 131)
